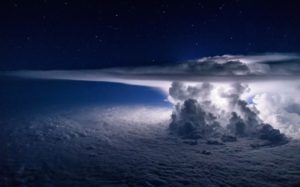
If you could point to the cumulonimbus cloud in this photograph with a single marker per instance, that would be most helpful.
(282, 69)
(199, 114)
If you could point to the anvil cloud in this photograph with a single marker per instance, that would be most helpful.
(272, 82)
(244, 68)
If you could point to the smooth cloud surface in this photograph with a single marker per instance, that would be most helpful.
(265, 67)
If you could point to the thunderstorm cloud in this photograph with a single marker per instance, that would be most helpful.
(219, 96)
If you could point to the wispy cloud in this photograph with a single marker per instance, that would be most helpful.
(244, 68)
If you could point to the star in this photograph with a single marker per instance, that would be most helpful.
(221, 7)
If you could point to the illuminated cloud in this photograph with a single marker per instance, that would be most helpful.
(197, 114)
(226, 68)
(211, 88)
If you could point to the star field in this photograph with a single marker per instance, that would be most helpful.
(95, 34)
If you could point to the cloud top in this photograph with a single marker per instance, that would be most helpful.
(245, 68)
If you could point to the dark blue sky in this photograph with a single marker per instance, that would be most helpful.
(48, 34)
(27, 95)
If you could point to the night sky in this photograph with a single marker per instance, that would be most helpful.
(149, 93)
(44, 34)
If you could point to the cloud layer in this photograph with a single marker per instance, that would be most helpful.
(264, 67)
(129, 146)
